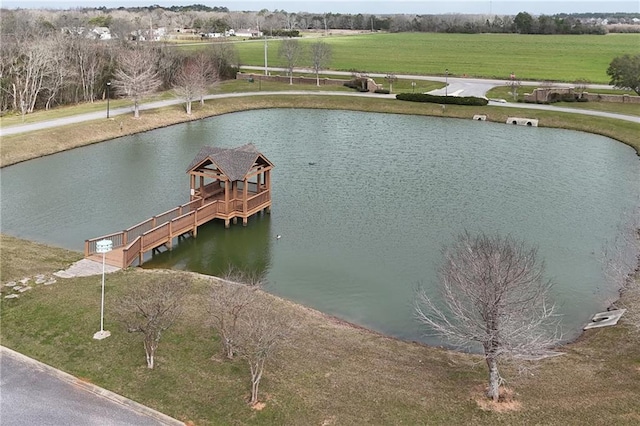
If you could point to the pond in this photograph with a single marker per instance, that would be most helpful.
(363, 202)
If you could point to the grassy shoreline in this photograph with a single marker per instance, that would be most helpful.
(331, 372)
(23, 147)
(328, 373)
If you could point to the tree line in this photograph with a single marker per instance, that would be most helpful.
(41, 68)
(122, 21)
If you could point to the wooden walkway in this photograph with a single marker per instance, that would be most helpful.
(159, 231)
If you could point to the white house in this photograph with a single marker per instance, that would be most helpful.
(248, 32)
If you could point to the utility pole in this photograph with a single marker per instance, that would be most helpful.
(266, 69)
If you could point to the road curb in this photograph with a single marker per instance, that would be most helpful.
(96, 390)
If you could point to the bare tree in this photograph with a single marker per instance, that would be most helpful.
(207, 68)
(320, 56)
(391, 78)
(514, 85)
(29, 68)
(60, 69)
(581, 85)
(189, 84)
(290, 51)
(228, 302)
(151, 308)
(493, 295)
(261, 330)
(136, 76)
(225, 58)
(89, 60)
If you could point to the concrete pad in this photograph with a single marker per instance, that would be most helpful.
(85, 268)
(605, 319)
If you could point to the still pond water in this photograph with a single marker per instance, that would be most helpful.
(364, 203)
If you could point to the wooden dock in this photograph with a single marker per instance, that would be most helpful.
(158, 231)
(226, 184)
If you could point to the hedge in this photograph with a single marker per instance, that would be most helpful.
(456, 100)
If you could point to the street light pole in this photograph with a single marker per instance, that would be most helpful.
(446, 82)
(108, 96)
(266, 69)
(102, 246)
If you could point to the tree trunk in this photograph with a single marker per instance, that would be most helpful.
(493, 391)
(256, 375)
(136, 110)
(150, 350)
(188, 107)
(317, 79)
(254, 392)
(229, 347)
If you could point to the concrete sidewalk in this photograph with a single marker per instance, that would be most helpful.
(85, 268)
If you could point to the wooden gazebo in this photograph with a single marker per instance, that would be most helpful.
(239, 179)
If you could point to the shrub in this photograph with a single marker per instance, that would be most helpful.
(382, 91)
(456, 100)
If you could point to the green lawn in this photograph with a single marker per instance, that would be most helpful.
(327, 373)
(531, 57)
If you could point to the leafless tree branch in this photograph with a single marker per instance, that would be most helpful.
(493, 295)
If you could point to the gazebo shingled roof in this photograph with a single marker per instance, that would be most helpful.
(235, 163)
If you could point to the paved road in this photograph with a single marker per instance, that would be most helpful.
(33, 393)
(456, 87)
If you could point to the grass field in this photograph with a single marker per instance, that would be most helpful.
(531, 57)
(328, 373)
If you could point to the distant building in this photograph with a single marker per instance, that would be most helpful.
(102, 33)
(248, 32)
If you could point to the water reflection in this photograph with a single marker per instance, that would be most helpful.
(365, 223)
(217, 249)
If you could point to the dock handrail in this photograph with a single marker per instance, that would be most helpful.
(123, 238)
(161, 229)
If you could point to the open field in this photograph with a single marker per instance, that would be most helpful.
(531, 57)
(327, 373)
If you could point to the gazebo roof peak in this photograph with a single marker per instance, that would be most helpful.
(235, 163)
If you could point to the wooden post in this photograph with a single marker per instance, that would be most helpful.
(245, 195)
(226, 198)
(226, 223)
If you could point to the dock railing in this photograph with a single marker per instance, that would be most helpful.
(123, 238)
(163, 228)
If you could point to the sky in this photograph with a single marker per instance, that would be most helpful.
(499, 7)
